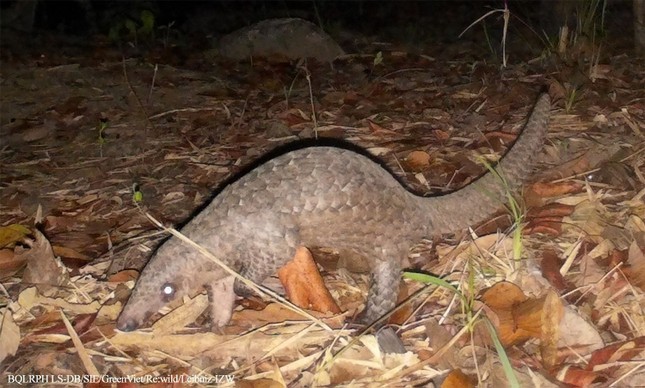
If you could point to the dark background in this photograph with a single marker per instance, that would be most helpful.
(420, 24)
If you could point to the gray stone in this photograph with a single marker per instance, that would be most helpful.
(290, 37)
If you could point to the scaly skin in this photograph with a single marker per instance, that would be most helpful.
(321, 196)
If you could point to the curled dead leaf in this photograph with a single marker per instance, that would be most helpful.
(418, 160)
(544, 227)
(303, 284)
(518, 318)
(535, 193)
(579, 377)
(550, 266)
(544, 189)
(123, 276)
(42, 266)
(556, 210)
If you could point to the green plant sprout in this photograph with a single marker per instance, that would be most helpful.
(137, 195)
(128, 28)
(102, 126)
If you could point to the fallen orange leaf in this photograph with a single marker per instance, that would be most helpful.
(579, 377)
(458, 379)
(544, 189)
(123, 276)
(550, 266)
(518, 318)
(303, 284)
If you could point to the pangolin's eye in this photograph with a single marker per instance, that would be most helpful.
(168, 291)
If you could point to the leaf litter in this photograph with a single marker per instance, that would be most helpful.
(577, 311)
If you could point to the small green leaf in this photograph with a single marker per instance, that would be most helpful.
(503, 357)
(137, 195)
(148, 20)
(378, 59)
(430, 279)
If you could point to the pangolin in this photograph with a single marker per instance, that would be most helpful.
(325, 197)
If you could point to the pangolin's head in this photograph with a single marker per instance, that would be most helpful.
(172, 273)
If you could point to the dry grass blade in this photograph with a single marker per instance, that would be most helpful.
(90, 368)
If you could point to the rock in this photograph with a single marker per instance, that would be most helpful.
(292, 38)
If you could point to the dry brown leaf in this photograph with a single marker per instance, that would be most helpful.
(440, 134)
(179, 345)
(280, 340)
(555, 210)
(589, 160)
(550, 266)
(46, 359)
(124, 276)
(9, 335)
(552, 314)
(259, 383)
(438, 336)
(549, 228)
(69, 253)
(183, 315)
(10, 263)
(614, 257)
(109, 312)
(528, 320)
(499, 137)
(52, 327)
(61, 223)
(636, 259)
(375, 127)
(503, 295)
(535, 193)
(253, 302)
(578, 377)
(42, 266)
(30, 297)
(631, 350)
(36, 133)
(356, 362)
(458, 379)
(619, 237)
(494, 243)
(588, 216)
(590, 271)
(276, 313)
(518, 318)
(576, 332)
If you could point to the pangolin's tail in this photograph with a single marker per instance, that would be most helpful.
(475, 202)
